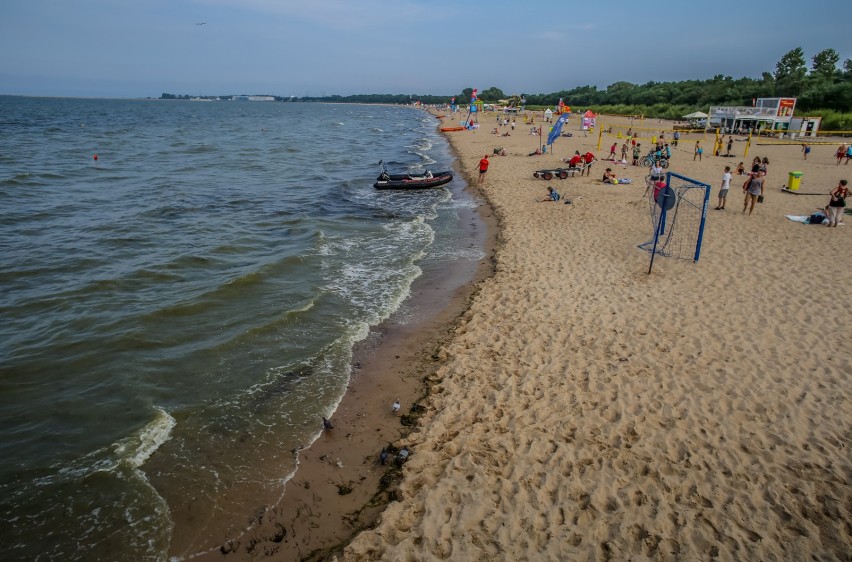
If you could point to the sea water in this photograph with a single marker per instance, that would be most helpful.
(181, 287)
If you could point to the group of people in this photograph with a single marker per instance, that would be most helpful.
(582, 162)
(504, 122)
(752, 188)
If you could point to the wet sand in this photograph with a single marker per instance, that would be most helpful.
(336, 490)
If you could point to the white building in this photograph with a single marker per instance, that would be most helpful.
(765, 114)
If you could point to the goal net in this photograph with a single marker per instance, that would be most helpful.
(678, 209)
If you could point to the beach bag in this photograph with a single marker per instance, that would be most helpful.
(760, 198)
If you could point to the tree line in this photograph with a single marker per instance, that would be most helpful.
(824, 88)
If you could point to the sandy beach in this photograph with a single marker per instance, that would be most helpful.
(586, 410)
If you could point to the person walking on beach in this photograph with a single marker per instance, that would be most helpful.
(837, 203)
(753, 190)
(612, 151)
(723, 190)
(588, 167)
(483, 167)
(848, 154)
(698, 151)
(637, 151)
(841, 153)
(806, 150)
(730, 144)
(675, 138)
(624, 152)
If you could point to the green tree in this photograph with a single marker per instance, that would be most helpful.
(825, 64)
(790, 73)
(492, 94)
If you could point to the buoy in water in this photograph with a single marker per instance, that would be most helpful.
(95, 157)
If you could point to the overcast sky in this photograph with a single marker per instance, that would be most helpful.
(142, 48)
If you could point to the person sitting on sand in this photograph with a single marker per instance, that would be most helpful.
(494, 132)
(740, 169)
(506, 134)
(609, 176)
(536, 153)
(552, 195)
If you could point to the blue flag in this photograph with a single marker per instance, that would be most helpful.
(557, 128)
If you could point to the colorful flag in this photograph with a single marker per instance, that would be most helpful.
(557, 128)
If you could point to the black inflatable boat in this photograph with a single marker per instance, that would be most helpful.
(411, 181)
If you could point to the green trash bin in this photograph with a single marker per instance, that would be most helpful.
(794, 181)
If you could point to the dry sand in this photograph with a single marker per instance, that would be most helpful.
(585, 410)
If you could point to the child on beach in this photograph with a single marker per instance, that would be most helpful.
(723, 190)
(837, 203)
(806, 150)
(740, 169)
(552, 195)
(698, 151)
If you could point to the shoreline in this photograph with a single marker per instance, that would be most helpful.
(586, 409)
(335, 491)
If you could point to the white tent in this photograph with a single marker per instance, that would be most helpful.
(547, 112)
(696, 115)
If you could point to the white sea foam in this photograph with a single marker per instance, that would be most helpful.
(151, 437)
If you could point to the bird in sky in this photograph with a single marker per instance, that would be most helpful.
(201, 23)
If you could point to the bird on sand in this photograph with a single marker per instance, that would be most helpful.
(383, 456)
(326, 424)
(395, 407)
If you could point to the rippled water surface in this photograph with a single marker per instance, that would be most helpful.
(179, 311)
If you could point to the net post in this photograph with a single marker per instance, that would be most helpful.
(701, 223)
(658, 230)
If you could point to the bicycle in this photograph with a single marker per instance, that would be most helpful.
(649, 159)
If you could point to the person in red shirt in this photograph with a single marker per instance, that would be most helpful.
(589, 157)
(483, 167)
(575, 160)
(612, 151)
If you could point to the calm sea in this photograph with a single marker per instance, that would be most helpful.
(177, 313)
